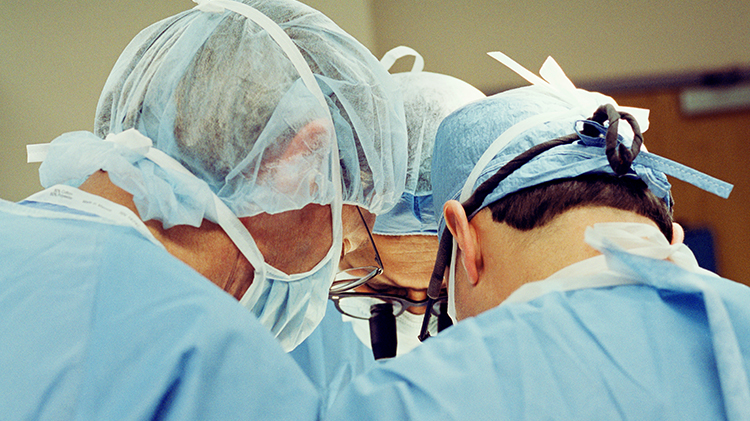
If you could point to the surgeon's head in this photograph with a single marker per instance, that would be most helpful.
(285, 118)
(406, 236)
(523, 168)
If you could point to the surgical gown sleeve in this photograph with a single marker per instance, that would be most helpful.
(332, 355)
(98, 323)
(635, 352)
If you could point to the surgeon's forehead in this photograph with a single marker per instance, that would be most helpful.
(407, 260)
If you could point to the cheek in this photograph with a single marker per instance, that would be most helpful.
(355, 259)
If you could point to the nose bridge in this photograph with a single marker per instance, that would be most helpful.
(417, 294)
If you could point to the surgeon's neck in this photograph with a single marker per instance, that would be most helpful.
(510, 258)
(207, 248)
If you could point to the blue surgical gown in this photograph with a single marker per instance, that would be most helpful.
(98, 323)
(645, 351)
(332, 355)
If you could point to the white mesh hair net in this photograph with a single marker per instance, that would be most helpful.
(428, 98)
(217, 93)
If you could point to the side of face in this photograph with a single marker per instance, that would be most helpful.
(408, 261)
(490, 261)
(465, 305)
(292, 241)
(354, 231)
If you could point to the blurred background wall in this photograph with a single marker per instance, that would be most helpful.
(686, 61)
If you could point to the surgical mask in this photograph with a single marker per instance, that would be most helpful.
(292, 306)
(407, 330)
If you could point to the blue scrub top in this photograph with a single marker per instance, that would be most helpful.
(332, 355)
(98, 323)
(637, 352)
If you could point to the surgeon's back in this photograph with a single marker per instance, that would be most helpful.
(642, 350)
(99, 323)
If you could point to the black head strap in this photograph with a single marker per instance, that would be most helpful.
(619, 156)
(620, 159)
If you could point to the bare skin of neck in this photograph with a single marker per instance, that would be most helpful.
(505, 258)
(209, 250)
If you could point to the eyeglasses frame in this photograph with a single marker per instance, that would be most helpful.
(346, 286)
(405, 302)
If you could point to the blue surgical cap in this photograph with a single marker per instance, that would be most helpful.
(428, 98)
(524, 117)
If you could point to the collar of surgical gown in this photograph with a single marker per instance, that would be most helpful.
(635, 238)
(628, 254)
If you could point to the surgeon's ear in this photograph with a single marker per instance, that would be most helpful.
(465, 235)
(678, 233)
(313, 136)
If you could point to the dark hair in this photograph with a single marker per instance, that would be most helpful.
(536, 206)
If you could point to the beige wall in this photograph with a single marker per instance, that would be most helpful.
(722, 140)
(54, 59)
(591, 39)
(354, 16)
